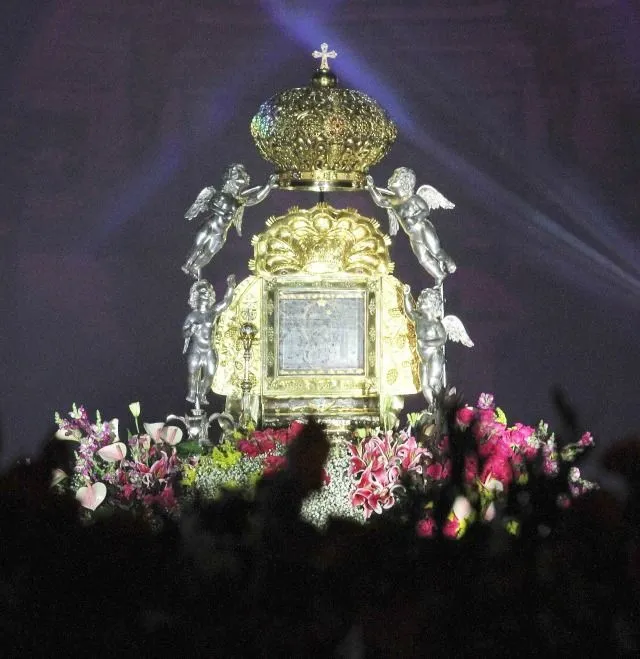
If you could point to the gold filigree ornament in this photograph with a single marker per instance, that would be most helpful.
(322, 137)
(321, 240)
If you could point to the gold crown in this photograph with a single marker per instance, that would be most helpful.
(322, 137)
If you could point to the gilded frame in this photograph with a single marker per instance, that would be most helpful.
(352, 382)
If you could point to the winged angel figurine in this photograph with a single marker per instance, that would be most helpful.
(410, 210)
(432, 332)
(221, 209)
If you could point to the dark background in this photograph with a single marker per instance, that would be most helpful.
(116, 113)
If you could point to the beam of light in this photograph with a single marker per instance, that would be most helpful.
(559, 248)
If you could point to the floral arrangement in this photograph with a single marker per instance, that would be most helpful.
(239, 462)
(382, 463)
(142, 473)
(363, 477)
(148, 470)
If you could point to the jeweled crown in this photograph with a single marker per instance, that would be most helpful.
(322, 137)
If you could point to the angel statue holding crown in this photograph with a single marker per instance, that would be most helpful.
(432, 332)
(221, 209)
(410, 210)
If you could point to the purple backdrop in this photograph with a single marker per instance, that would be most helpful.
(117, 114)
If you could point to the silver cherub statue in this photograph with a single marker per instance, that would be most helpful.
(432, 332)
(197, 330)
(410, 210)
(221, 209)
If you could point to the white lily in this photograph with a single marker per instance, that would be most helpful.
(114, 423)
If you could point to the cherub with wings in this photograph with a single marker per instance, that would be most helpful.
(221, 209)
(410, 210)
(197, 332)
(432, 332)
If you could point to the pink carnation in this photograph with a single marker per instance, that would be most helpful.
(470, 468)
(498, 468)
(586, 440)
(451, 528)
(465, 417)
(439, 471)
(426, 528)
(486, 402)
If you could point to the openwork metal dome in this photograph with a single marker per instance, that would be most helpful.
(322, 137)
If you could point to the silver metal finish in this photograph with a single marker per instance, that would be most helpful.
(197, 332)
(248, 333)
(432, 332)
(410, 210)
(220, 209)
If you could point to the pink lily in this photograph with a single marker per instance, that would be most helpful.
(160, 468)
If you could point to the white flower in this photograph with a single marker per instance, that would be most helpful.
(69, 435)
(462, 507)
(57, 476)
(135, 409)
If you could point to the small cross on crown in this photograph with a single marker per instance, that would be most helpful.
(324, 54)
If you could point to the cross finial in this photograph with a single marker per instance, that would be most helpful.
(324, 54)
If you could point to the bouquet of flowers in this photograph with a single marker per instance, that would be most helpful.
(240, 461)
(141, 472)
(383, 462)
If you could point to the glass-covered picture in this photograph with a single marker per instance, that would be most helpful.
(321, 331)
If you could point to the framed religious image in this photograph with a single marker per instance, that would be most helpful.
(321, 337)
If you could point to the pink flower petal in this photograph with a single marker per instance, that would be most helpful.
(172, 435)
(153, 430)
(113, 452)
(92, 496)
